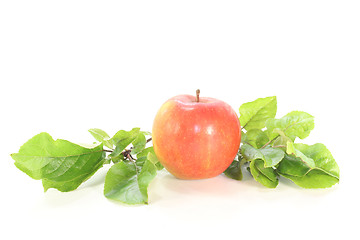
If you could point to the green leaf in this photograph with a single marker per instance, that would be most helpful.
(263, 175)
(149, 154)
(116, 159)
(271, 156)
(256, 138)
(291, 165)
(294, 124)
(60, 164)
(152, 158)
(314, 179)
(122, 139)
(322, 157)
(146, 133)
(281, 140)
(292, 150)
(107, 160)
(126, 182)
(243, 136)
(66, 186)
(324, 173)
(254, 114)
(139, 144)
(234, 171)
(102, 136)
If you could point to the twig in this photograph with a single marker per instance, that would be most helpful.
(127, 152)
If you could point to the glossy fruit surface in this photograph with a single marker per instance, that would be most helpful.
(196, 140)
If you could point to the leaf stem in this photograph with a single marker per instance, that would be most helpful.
(248, 143)
(269, 142)
(133, 160)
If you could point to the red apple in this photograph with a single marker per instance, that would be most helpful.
(196, 138)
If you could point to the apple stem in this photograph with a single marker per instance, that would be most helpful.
(197, 95)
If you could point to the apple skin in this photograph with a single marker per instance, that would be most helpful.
(196, 140)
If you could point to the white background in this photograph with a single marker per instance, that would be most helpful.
(67, 66)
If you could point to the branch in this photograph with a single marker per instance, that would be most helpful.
(127, 152)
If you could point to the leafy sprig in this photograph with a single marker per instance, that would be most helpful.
(268, 150)
(268, 146)
(65, 166)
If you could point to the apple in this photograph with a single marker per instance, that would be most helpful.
(196, 138)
